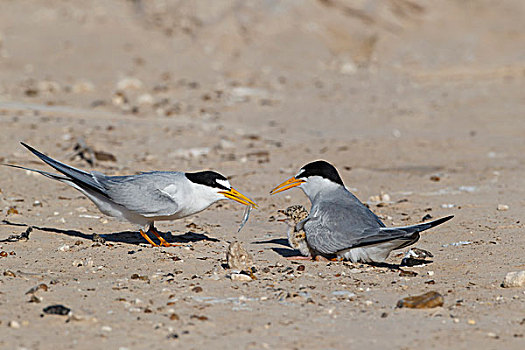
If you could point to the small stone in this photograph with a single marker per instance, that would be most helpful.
(129, 83)
(64, 248)
(426, 217)
(13, 324)
(197, 289)
(348, 68)
(3, 254)
(12, 210)
(514, 279)
(145, 99)
(240, 277)
(57, 309)
(9, 273)
(136, 276)
(492, 335)
(471, 322)
(405, 273)
(200, 318)
(35, 299)
(174, 317)
(423, 301)
(82, 87)
(41, 286)
(503, 207)
(106, 329)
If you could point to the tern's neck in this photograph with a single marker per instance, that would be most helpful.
(318, 186)
(199, 198)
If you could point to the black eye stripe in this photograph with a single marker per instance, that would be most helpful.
(321, 168)
(207, 178)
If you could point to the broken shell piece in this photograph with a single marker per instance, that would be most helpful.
(424, 301)
(240, 277)
(503, 207)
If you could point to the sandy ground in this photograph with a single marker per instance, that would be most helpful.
(422, 101)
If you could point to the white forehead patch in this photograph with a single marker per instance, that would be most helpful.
(299, 173)
(224, 183)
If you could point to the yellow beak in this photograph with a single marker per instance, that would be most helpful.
(238, 197)
(287, 185)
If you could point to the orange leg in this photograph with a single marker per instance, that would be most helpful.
(148, 239)
(162, 240)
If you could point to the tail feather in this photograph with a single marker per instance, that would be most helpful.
(419, 227)
(45, 173)
(79, 177)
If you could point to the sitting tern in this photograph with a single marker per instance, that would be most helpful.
(340, 225)
(147, 197)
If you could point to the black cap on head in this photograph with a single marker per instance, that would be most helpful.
(320, 168)
(208, 178)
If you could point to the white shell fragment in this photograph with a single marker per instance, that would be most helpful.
(514, 279)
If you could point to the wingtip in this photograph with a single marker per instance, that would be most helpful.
(26, 146)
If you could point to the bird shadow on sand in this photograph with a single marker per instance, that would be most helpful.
(284, 252)
(128, 237)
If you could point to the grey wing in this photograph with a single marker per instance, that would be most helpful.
(333, 227)
(143, 194)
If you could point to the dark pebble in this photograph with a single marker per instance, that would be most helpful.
(57, 310)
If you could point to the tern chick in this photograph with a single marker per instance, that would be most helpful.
(296, 238)
(147, 197)
(339, 224)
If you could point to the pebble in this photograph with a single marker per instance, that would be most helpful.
(348, 68)
(344, 293)
(64, 248)
(145, 99)
(57, 310)
(106, 329)
(424, 301)
(447, 206)
(471, 322)
(129, 83)
(83, 86)
(41, 286)
(240, 277)
(14, 324)
(35, 299)
(503, 207)
(9, 273)
(514, 279)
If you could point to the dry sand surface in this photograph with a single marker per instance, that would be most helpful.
(423, 101)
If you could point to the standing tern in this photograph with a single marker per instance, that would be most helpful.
(147, 197)
(340, 225)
